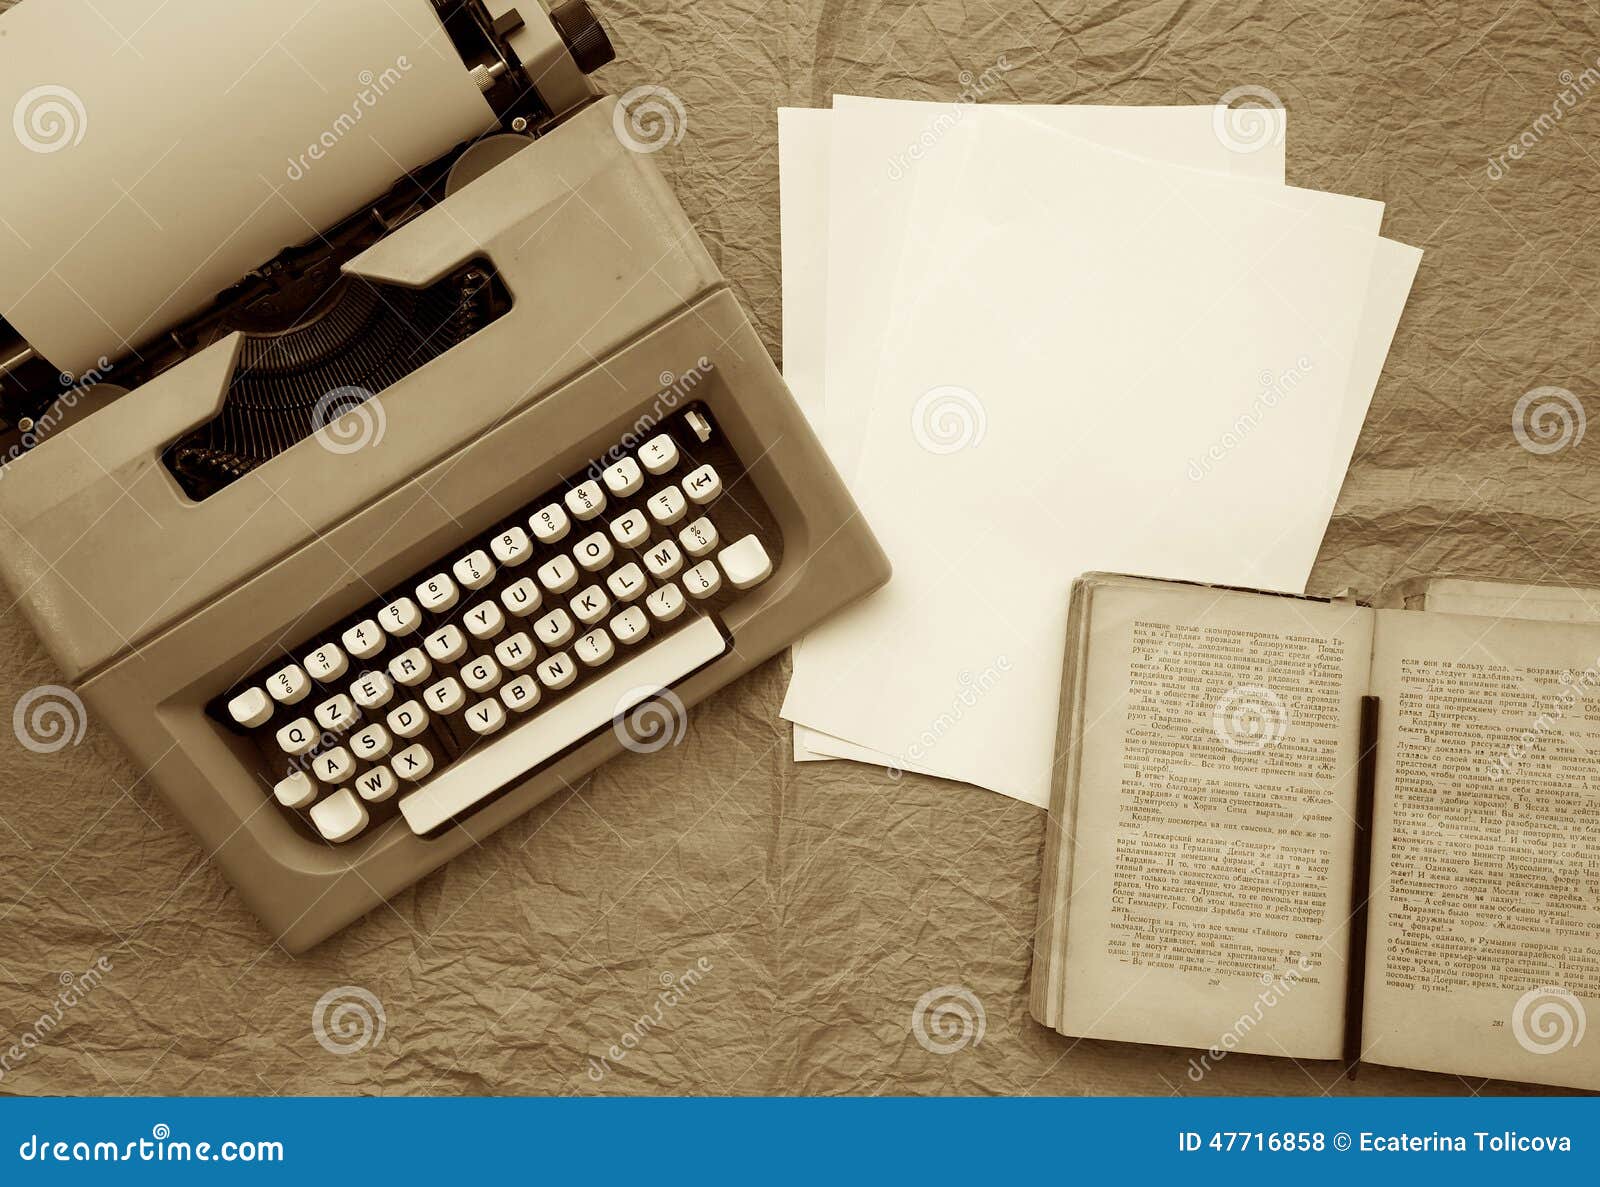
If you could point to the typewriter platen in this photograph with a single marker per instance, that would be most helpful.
(367, 549)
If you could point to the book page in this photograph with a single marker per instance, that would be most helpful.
(1483, 955)
(1214, 833)
(1506, 599)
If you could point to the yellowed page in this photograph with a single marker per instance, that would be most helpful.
(164, 148)
(1214, 834)
(1484, 940)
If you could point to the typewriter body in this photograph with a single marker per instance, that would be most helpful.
(289, 543)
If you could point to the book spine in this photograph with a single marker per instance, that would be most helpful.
(1044, 985)
(1361, 881)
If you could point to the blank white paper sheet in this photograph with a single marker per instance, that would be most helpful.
(1107, 361)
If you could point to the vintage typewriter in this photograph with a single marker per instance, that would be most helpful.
(409, 523)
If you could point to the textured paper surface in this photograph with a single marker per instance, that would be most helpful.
(830, 898)
(803, 147)
(311, 107)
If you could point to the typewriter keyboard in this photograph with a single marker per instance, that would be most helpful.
(521, 644)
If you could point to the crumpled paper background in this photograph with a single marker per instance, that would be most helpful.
(805, 911)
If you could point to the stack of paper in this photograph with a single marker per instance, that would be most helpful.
(1039, 341)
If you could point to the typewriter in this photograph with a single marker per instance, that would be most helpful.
(370, 507)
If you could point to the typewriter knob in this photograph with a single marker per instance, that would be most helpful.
(585, 37)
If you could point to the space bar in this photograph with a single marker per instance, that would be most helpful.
(489, 766)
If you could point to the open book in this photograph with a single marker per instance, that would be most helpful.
(1308, 828)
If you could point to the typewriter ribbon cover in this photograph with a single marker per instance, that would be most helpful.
(118, 220)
